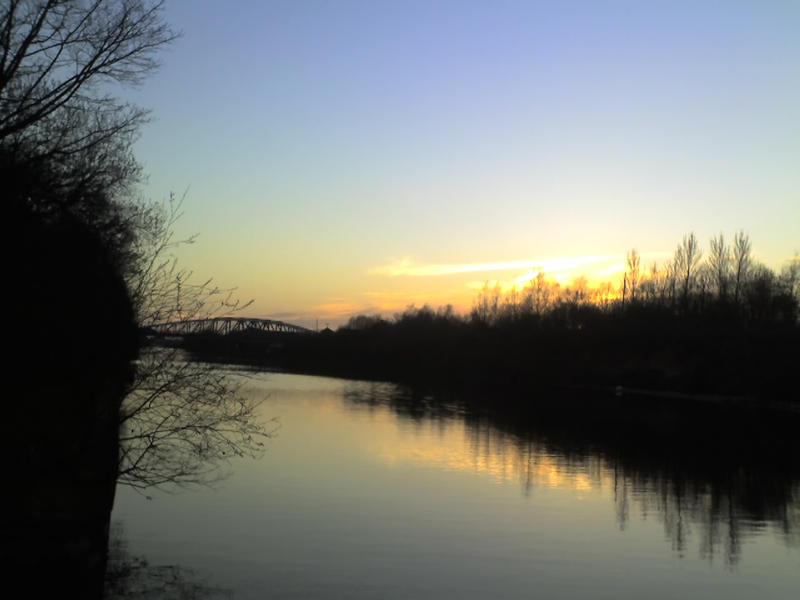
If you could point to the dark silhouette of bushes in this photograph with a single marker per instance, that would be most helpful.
(66, 175)
(71, 338)
(710, 328)
(726, 326)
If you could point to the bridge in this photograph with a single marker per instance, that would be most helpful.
(226, 325)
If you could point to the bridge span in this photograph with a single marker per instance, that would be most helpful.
(225, 325)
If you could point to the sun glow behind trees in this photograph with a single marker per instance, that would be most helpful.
(727, 271)
(598, 276)
(595, 278)
(727, 276)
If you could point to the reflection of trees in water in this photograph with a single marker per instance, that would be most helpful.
(688, 510)
(718, 501)
(132, 577)
(712, 476)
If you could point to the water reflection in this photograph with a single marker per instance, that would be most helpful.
(713, 477)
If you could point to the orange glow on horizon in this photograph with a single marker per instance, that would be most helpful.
(392, 288)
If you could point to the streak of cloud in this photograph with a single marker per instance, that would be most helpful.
(407, 268)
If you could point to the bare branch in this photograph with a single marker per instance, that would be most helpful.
(182, 420)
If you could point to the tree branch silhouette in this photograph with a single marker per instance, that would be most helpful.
(182, 420)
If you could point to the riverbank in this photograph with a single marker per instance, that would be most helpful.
(681, 362)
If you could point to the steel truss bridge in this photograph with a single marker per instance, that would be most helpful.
(226, 325)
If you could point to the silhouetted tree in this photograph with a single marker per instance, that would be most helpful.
(742, 263)
(73, 340)
(686, 261)
(361, 322)
(651, 285)
(487, 304)
(182, 420)
(512, 305)
(603, 295)
(66, 165)
(719, 261)
(57, 61)
(789, 284)
(542, 293)
(59, 121)
(790, 277)
(631, 278)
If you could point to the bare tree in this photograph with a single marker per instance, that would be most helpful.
(603, 295)
(60, 61)
(790, 277)
(742, 264)
(66, 162)
(512, 304)
(161, 291)
(57, 60)
(705, 282)
(631, 280)
(486, 308)
(653, 284)
(182, 420)
(540, 291)
(670, 281)
(579, 290)
(686, 262)
(719, 262)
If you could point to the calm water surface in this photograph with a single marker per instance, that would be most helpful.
(368, 492)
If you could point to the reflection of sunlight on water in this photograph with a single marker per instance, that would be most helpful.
(714, 508)
(459, 447)
(370, 490)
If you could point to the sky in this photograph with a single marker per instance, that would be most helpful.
(338, 158)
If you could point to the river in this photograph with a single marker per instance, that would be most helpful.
(368, 491)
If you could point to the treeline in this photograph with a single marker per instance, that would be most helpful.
(727, 283)
(723, 325)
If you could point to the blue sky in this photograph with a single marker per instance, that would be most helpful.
(323, 143)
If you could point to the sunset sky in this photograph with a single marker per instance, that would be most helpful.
(344, 157)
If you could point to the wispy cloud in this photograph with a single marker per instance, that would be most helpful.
(406, 267)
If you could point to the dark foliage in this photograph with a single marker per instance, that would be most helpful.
(688, 328)
(65, 140)
(72, 339)
(34, 187)
(639, 347)
(66, 168)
